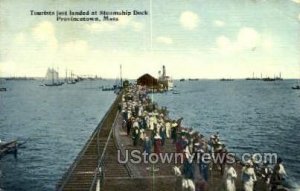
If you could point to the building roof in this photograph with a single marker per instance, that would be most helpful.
(147, 80)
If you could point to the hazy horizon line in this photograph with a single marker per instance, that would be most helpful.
(185, 78)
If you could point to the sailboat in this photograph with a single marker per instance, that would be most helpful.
(117, 86)
(52, 78)
(71, 79)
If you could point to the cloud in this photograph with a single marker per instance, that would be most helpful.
(136, 26)
(299, 17)
(224, 44)
(45, 32)
(123, 22)
(99, 27)
(74, 49)
(296, 1)
(189, 20)
(164, 40)
(247, 39)
(36, 48)
(7, 68)
(20, 38)
(219, 23)
(267, 43)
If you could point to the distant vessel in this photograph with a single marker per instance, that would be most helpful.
(2, 89)
(253, 78)
(193, 79)
(52, 78)
(226, 79)
(268, 79)
(165, 80)
(70, 80)
(117, 86)
(276, 78)
(296, 87)
(182, 80)
(19, 78)
(113, 88)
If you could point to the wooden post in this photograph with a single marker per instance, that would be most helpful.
(98, 186)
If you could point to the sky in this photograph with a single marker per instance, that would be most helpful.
(192, 38)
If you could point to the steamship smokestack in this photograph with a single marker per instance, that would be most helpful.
(164, 71)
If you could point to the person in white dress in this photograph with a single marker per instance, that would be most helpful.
(248, 176)
(230, 176)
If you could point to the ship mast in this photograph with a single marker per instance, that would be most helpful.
(121, 80)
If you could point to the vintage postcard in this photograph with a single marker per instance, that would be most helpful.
(150, 95)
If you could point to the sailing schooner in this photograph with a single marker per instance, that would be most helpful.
(52, 78)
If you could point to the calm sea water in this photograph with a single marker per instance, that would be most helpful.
(56, 121)
(251, 116)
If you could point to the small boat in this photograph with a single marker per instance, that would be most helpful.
(8, 147)
(108, 88)
(55, 84)
(276, 78)
(193, 79)
(113, 88)
(2, 89)
(296, 87)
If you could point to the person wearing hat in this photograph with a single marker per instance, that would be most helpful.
(230, 176)
(282, 171)
(136, 123)
(203, 165)
(278, 175)
(163, 134)
(157, 144)
(168, 128)
(135, 135)
(248, 176)
(129, 125)
(188, 171)
(266, 173)
(147, 145)
(152, 121)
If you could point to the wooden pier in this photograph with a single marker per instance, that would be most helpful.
(100, 152)
(97, 167)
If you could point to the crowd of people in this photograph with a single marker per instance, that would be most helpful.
(149, 126)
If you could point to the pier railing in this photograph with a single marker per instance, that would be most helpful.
(99, 171)
(112, 111)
